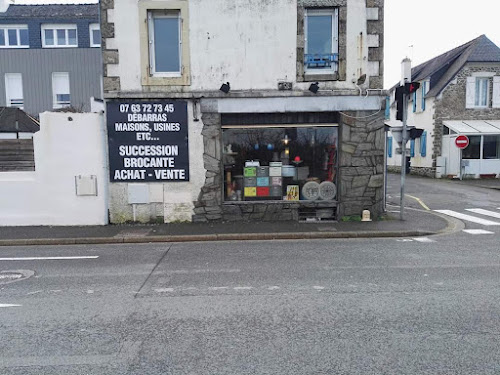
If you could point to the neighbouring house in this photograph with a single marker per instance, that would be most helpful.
(236, 110)
(50, 56)
(459, 94)
(16, 143)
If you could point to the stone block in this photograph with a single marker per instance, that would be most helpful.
(376, 181)
(110, 56)
(360, 181)
(107, 30)
(111, 84)
(348, 148)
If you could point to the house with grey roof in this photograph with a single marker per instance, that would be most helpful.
(459, 94)
(50, 56)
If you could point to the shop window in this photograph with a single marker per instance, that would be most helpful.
(321, 41)
(14, 36)
(473, 150)
(491, 147)
(291, 163)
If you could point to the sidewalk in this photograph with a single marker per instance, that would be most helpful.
(416, 223)
(487, 183)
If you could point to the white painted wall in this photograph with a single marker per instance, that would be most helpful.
(63, 149)
(251, 44)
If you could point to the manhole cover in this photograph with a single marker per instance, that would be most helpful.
(10, 276)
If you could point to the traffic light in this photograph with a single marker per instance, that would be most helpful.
(411, 87)
(400, 92)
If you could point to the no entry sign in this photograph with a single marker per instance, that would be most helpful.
(462, 141)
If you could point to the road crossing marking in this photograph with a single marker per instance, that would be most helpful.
(51, 258)
(423, 239)
(477, 231)
(484, 212)
(465, 217)
(9, 305)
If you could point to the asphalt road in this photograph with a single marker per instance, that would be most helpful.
(353, 306)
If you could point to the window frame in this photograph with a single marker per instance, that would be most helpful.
(334, 13)
(18, 28)
(92, 28)
(174, 14)
(53, 26)
(8, 97)
(155, 80)
(56, 104)
(477, 90)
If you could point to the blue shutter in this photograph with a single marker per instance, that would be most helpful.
(415, 101)
(412, 148)
(423, 144)
(424, 91)
(387, 108)
(389, 147)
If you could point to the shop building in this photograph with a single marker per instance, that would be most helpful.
(459, 94)
(236, 110)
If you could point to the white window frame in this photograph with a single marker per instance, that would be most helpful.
(93, 27)
(155, 14)
(334, 13)
(478, 97)
(56, 103)
(54, 28)
(18, 29)
(8, 97)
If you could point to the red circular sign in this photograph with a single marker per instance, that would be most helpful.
(462, 141)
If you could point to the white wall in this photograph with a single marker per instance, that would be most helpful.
(251, 44)
(63, 149)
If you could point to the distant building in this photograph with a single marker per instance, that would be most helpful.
(459, 95)
(50, 57)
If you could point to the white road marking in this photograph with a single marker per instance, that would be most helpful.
(423, 239)
(9, 305)
(318, 287)
(465, 217)
(477, 231)
(243, 287)
(218, 287)
(52, 258)
(273, 288)
(484, 212)
(164, 290)
(405, 240)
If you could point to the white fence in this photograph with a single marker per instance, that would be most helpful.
(69, 184)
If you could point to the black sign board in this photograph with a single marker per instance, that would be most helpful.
(148, 141)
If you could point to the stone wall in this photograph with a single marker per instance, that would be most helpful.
(361, 163)
(451, 104)
(415, 171)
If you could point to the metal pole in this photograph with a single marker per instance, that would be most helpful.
(460, 164)
(403, 158)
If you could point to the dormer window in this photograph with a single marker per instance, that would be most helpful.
(59, 36)
(14, 36)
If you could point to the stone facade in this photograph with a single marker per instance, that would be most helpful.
(450, 105)
(416, 171)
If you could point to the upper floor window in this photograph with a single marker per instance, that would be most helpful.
(95, 35)
(481, 92)
(14, 90)
(321, 40)
(57, 36)
(165, 43)
(14, 36)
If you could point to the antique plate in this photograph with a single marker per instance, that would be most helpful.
(327, 190)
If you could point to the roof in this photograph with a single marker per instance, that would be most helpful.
(472, 127)
(70, 11)
(443, 68)
(14, 120)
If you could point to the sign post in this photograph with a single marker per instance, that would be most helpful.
(462, 141)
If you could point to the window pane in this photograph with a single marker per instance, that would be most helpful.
(49, 37)
(491, 147)
(12, 37)
(287, 158)
(2, 37)
(72, 37)
(481, 92)
(319, 34)
(96, 37)
(61, 37)
(166, 36)
(24, 37)
(472, 151)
